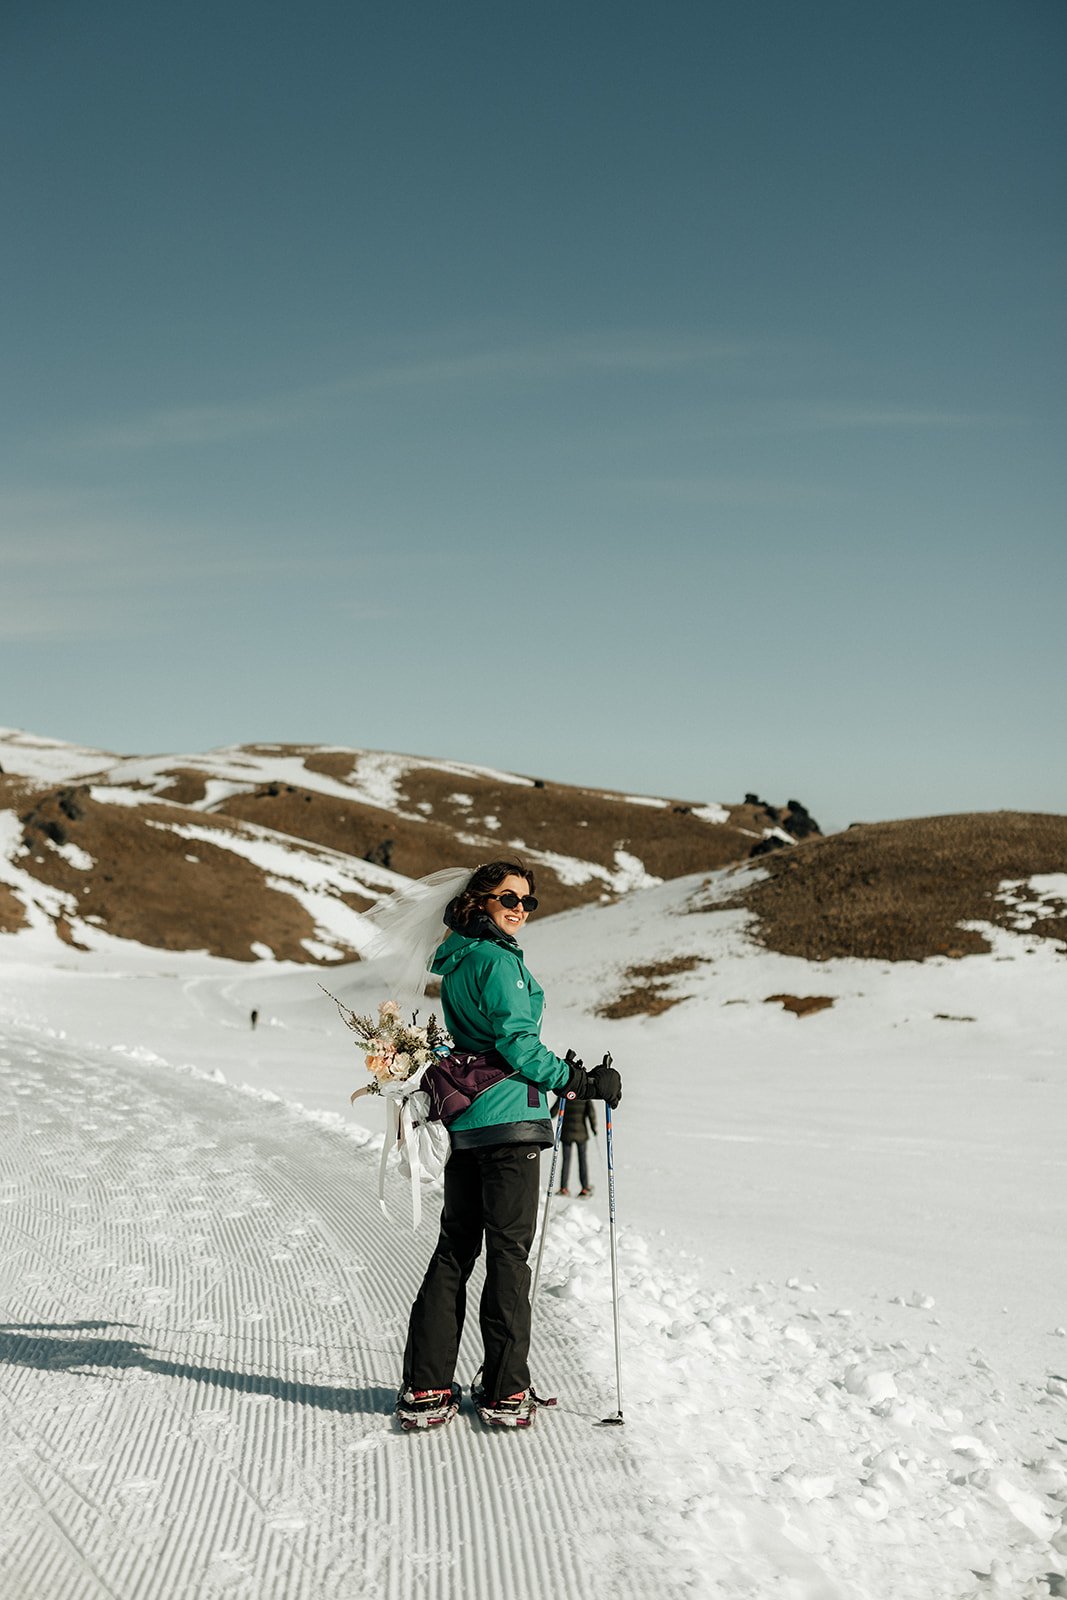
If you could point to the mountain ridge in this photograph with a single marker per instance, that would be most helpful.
(276, 850)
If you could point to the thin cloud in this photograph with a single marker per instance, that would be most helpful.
(729, 491)
(562, 358)
(531, 362)
(203, 424)
(865, 416)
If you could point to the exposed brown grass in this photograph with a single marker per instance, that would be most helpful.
(801, 1005)
(649, 993)
(591, 825)
(898, 891)
(185, 787)
(12, 913)
(588, 824)
(144, 886)
(366, 832)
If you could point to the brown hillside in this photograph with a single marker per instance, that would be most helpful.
(151, 885)
(441, 820)
(137, 880)
(366, 832)
(898, 891)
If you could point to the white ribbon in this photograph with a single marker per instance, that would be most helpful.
(401, 1135)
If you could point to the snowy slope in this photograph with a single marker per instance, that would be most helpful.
(204, 1311)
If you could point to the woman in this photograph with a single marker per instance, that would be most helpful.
(492, 1008)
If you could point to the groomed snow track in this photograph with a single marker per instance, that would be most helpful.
(202, 1284)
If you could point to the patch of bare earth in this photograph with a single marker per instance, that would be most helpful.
(801, 1005)
(150, 885)
(12, 911)
(899, 891)
(650, 989)
(184, 787)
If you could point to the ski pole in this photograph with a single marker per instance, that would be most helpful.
(616, 1420)
(548, 1198)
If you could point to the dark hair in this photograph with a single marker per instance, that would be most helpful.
(482, 881)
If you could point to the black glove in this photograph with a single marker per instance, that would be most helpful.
(603, 1083)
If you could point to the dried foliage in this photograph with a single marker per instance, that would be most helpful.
(899, 891)
(649, 993)
(801, 1005)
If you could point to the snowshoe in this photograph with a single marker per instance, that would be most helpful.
(426, 1408)
(514, 1411)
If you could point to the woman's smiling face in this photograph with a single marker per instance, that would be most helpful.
(508, 920)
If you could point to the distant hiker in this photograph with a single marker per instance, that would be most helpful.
(255, 1018)
(579, 1120)
(492, 1009)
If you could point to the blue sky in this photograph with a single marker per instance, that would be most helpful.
(667, 398)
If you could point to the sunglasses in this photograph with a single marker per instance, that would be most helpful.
(528, 902)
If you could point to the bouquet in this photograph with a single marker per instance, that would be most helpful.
(397, 1054)
(395, 1051)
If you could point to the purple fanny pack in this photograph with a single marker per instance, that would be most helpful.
(455, 1081)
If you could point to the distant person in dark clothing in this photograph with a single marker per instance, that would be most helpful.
(255, 1018)
(579, 1120)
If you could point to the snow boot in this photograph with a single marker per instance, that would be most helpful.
(427, 1408)
(583, 1194)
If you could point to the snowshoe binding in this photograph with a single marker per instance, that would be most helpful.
(426, 1408)
(514, 1411)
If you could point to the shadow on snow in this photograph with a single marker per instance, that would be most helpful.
(36, 1345)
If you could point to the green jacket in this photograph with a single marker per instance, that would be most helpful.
(491, 1001)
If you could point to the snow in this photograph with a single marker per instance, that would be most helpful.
(226, 773)
(42, 904)
(30, 755)
(377, 775)
(629, 870)
(820, 1221)
(630, 873)
(73, 855)
(711, 813)
(121, 794)
(1033, 899)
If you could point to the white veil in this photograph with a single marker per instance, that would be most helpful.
(408, 927)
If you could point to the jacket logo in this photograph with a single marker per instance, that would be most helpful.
(520, 984)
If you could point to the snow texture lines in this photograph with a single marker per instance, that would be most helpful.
(203, 1318)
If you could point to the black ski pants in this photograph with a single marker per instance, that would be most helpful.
(490, 1192)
